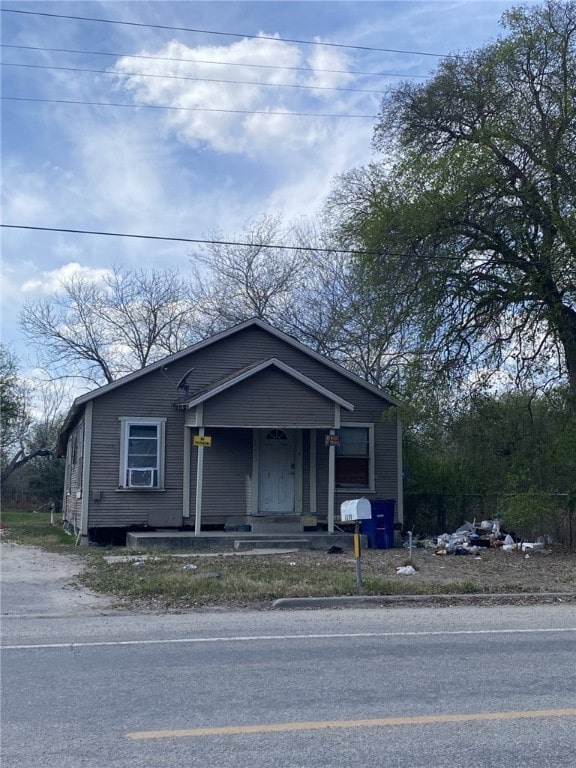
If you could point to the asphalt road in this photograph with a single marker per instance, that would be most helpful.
(396, 687)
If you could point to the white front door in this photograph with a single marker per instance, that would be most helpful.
(276, 471)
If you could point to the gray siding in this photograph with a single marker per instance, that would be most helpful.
(385, 460)
(270, 398)
(150, 396)
(227, 470)
(72, 501)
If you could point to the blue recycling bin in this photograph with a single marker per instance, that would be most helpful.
(379, 530)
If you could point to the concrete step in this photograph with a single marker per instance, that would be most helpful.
(272, 544)
(274, 527)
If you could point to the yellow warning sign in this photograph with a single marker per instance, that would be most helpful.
(203, 440)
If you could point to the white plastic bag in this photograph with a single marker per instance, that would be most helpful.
(405, 570)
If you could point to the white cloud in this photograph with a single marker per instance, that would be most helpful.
(51, 281)
(232, 130)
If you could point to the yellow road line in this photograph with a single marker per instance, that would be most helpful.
(375, 723)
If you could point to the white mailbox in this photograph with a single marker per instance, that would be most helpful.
(355, 509)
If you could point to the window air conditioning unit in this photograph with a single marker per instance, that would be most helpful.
(140, 478)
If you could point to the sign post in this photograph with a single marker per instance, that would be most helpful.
(358, 554)
(355, 510)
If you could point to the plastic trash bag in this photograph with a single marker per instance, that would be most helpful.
(405, 570)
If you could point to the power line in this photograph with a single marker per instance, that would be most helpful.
(194, 79)
(226, 34)
(205, 61)
(189, 240)
(274, 246)
(179, 109)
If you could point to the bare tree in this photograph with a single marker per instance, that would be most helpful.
(237, 281)
(101, 331)
(28, 432)
(336, 311)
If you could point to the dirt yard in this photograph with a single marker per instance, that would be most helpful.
(552, 570)
(45, 583)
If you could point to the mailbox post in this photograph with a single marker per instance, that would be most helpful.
(356, 510)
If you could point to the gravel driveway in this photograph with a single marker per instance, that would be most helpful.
(38, 583)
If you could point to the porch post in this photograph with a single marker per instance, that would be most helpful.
(332, 470)
(199, 472)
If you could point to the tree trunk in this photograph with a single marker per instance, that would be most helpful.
(21, 459)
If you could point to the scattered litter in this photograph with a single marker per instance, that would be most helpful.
(189, 567)
(113, 559)
(138, 563)
(536, 546)
(405, 570)
(292, 563)
(472, 538)
(207, 575)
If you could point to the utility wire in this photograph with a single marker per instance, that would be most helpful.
(275, 246)
(180, 109)
(205, 61)
(194, 79)
(188, 240)
(226, 34)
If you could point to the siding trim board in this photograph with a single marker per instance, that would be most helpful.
(186, 472)
(86, 455)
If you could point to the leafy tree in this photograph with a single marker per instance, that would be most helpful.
(511, 455)
(12, 400)
(22, 439)
(470, 217)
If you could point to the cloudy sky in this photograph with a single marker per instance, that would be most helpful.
(228, 110)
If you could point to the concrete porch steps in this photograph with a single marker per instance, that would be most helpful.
(272, 543)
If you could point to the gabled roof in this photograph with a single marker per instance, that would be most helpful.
(254, 322)
(223, 335)
(250, 370)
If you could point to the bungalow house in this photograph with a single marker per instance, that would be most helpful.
(246, 428)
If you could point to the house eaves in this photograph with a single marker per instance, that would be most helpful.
(82, 399)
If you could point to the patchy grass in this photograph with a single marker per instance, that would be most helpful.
(35, 530)
(163, 581)
(243, 581)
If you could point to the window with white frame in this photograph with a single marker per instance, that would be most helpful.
(142, 453)
(355, 457)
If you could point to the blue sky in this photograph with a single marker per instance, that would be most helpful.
(191, 173)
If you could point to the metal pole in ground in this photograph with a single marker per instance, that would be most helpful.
(357, 553)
